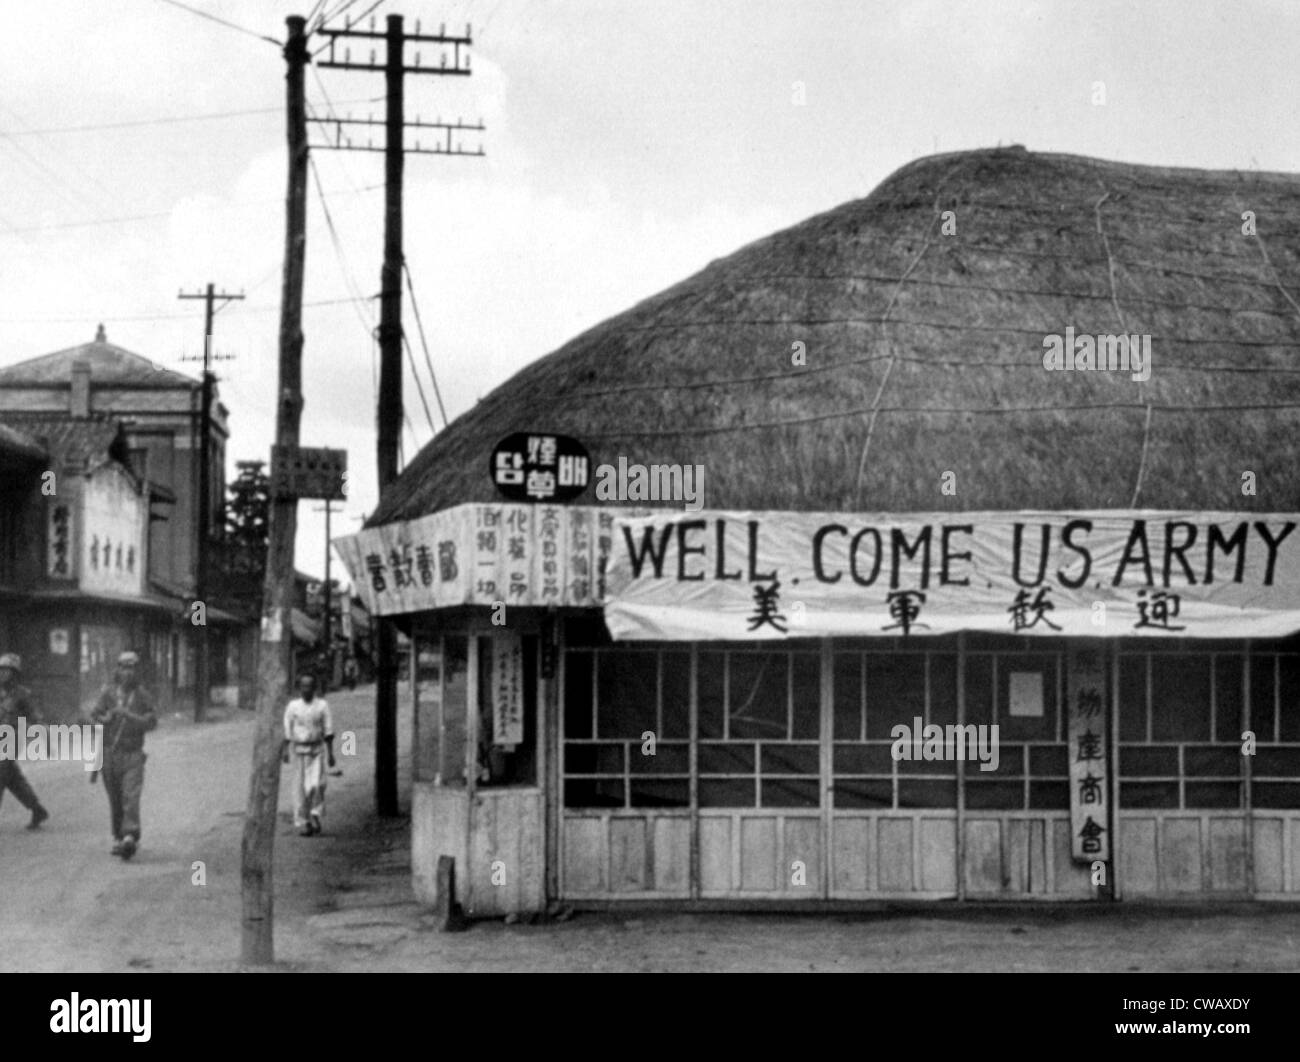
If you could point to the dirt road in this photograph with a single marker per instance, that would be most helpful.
(343, 900)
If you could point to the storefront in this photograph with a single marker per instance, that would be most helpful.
(614, 705)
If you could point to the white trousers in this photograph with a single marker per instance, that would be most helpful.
(309, 799)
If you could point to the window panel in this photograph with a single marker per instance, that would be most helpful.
(660, 793)
(1213, 795)
(1132, 698)
(727, 792)
(593, 793)
(790, 792)
(759, 704)
(668, 759)
(1138, 761)
(848, 696)
(1275, 794)
(1049, 759)
(979, 690)
(710, 686)
(1276, 763)
(1027, 728)
(1262, 697)
(790, 759)
(676, 695)
(1049, 796)
(864, 793)
(862, 759)
(1216, 761)
(1148, 794)
(926, 793)
(577, 694)
(726, 758)
(1227, 698)
(1289, 698)
(994, 796)
(1180, 698)
(806, 693)
(627, 686)
(895, 692)
(943, 688)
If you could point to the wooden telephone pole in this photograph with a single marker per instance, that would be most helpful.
(327, 633)
(275, 655)
(395, 69)
(203, 540)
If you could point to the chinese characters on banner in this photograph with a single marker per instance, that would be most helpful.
(507, 690)
(707, 575)
(1089, 755)
(536, 555)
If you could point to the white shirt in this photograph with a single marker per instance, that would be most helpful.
(308, 724)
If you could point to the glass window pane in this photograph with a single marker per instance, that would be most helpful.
(863, 759)
(1263, 697)
(789, 759)
(1289, 697)
(677, 695)
(943, 688)
(593, 792)
(709, 688)
(1148, 794)
(667, 759)
(926, 793)
(727, 792)
(1132, 698)
(1276, 763)
(759, 695)
(1213, 794)
(989, 796)
(1049, 796)
(726, 758)
(895, 692)
(848, 696)
(863, 793)
(1227, 694)
(1216, 761)
(1049, 760)
(660, 793)
(790, 792)
(1275, 794)
(626, 691)
(1180, 698)
(577, 694)
(979, 690)
(807, 696)
(1145, 762)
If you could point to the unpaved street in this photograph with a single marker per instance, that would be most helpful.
(343, 900)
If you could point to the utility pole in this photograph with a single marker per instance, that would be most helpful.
(389, 425)
(203, 678)
(275, 653)
(329, 599)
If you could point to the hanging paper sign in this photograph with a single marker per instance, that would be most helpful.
(537, 467)
(1089, 755)
(507, 690)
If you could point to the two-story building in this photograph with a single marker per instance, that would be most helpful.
(110, 561)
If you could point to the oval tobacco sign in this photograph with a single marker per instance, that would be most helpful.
(540, 467)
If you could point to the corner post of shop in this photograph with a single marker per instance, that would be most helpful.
(1113, 748)
(959, 849)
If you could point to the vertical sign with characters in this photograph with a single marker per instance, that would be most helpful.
(507, 690)
(1089, 755)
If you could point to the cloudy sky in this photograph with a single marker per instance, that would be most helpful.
(142, 152)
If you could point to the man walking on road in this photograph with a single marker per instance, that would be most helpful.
(15, 704)
(126, 712)
(309, 729)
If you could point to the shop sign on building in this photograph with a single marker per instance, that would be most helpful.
(1089, 755)
(537, 467)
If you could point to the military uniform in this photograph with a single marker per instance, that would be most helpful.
(123, 770)
(15, 703)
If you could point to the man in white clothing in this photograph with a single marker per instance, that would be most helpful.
(309, 732)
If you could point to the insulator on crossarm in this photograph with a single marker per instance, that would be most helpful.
(444, 60)
(467, 60)
(347, 55)
(417, 58)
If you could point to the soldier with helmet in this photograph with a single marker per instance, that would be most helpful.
(15, 704)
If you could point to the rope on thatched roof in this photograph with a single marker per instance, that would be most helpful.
(1053, 407)
(893, 298)
(1277, 279)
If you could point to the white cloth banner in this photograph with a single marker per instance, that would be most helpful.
(759, 576)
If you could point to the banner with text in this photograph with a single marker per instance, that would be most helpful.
(755, 575)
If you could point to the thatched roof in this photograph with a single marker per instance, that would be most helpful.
(924, 352)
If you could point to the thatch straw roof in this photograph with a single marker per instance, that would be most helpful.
(924, 352)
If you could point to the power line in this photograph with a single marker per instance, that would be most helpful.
(223, 22)
(410, 287)
(415, 375)
(136, 123)
(109, 318)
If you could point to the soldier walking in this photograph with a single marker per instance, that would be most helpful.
(126, 711)
(15, 703)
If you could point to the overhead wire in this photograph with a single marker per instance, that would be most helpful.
(223, 22)
(415, 306)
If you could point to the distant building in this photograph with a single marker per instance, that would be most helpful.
(102, 555)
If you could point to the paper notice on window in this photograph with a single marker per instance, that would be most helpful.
(1025, 689)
